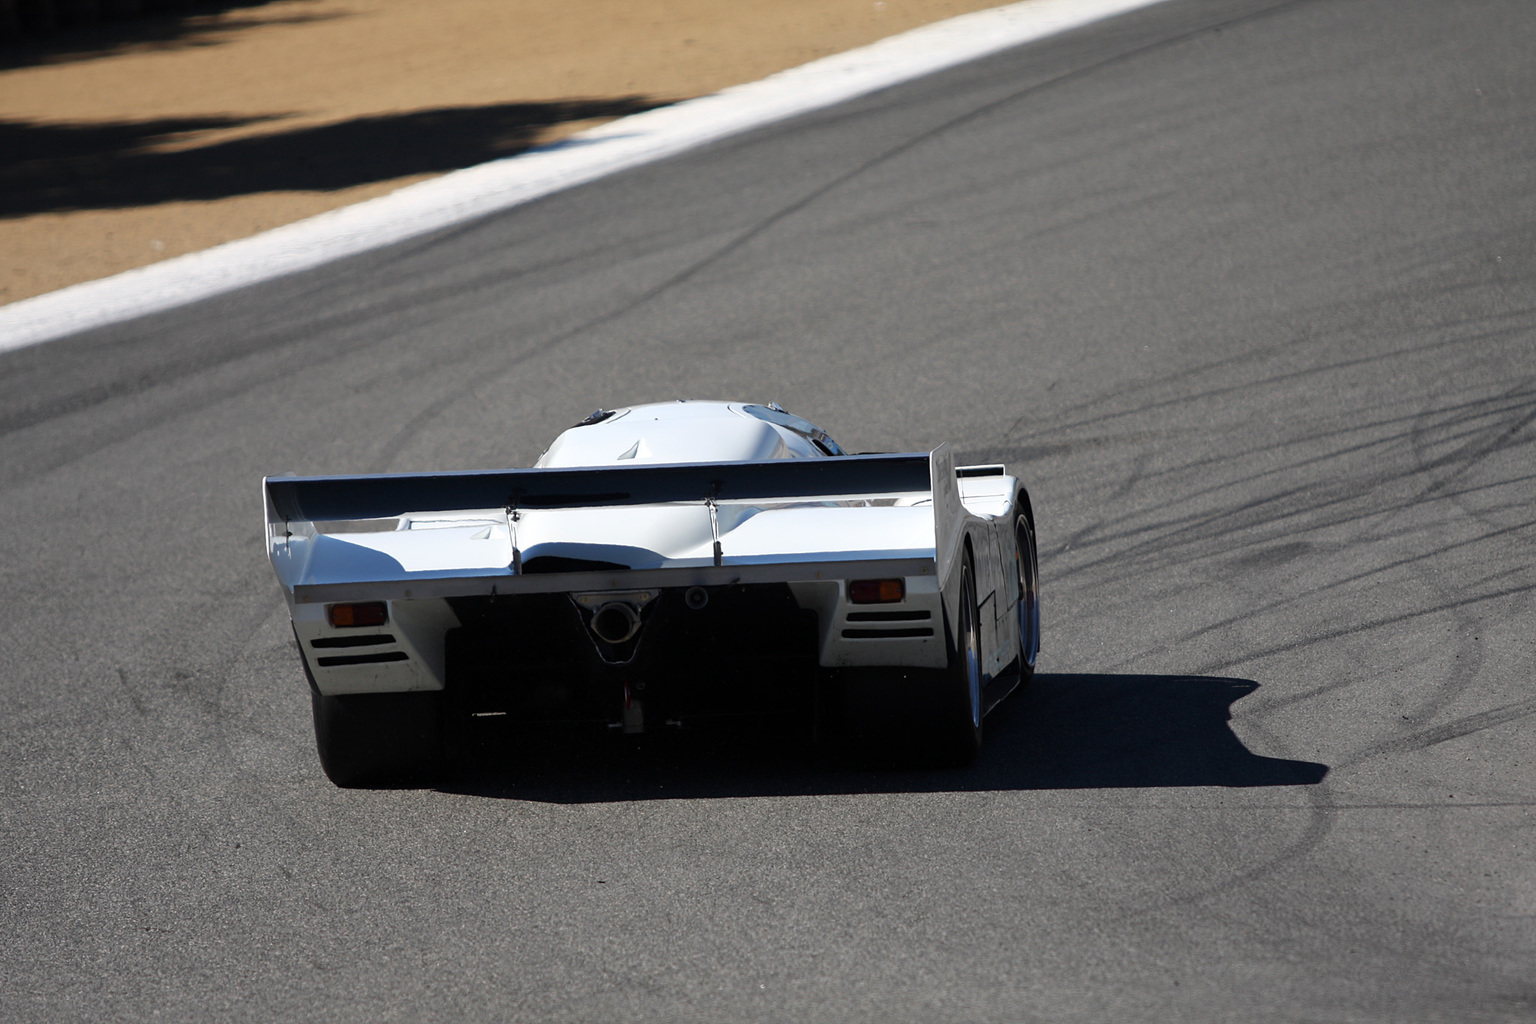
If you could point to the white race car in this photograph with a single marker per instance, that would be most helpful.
(659, 565)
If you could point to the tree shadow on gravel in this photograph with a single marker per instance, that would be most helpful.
(1064, 732)
(64, 31)
(56, 167)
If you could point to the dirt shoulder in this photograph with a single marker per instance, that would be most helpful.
(163, 137)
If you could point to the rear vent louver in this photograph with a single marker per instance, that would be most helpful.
(363, 659)
(917, 616)
(894, 631)
(368, 640)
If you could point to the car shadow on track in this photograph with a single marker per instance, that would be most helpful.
(1063, 732)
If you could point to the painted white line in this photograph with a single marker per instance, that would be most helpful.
(476, 191)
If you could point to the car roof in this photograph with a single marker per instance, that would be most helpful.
(684, 431)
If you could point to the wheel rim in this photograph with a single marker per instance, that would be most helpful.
(1029, 605)
(972, 650)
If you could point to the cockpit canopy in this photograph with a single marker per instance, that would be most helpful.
(683, 431)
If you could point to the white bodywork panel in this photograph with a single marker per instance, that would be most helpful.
(816, 542)
(675, 432)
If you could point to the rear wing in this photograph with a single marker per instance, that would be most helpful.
(311, 571)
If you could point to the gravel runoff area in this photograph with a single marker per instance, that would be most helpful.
(140, 139)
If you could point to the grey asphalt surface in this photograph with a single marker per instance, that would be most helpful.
(1244, 290)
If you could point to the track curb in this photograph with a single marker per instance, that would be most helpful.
(465, 195)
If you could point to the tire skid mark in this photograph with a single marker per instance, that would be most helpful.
(1264, 706)
(1423, 739)
(408, 432)
(357, 279)
(1186, 399)
(1366, 574)
(131, 693)
(1290, 442)
(1518, 326)
(1322, 815)
(224, 723)
(1466, 424)
(1460, 671)
(1483, 441)
(328, 339)
(263, 369)
(1476, 433)
(1196, 527)
(1220, 667)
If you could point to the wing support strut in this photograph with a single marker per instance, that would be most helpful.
(714, 527)
(516, 565)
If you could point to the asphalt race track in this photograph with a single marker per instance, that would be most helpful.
(1243, 288)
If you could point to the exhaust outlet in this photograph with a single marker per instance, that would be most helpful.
(615, 622)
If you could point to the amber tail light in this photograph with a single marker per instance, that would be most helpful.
(877, 591)
(365, 613)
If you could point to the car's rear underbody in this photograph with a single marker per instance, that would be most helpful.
(694, 654)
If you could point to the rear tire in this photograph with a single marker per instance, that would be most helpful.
(378, 739)
(1028, 566)
(957, 722)
(917, 717)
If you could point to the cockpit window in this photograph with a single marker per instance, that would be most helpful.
(596, 418)
(805, 428)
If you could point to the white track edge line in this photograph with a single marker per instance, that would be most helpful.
(460, 196)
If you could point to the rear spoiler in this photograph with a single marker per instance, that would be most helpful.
(331, 498)
(294, 504)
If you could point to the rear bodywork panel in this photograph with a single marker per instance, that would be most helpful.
(734, 575)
